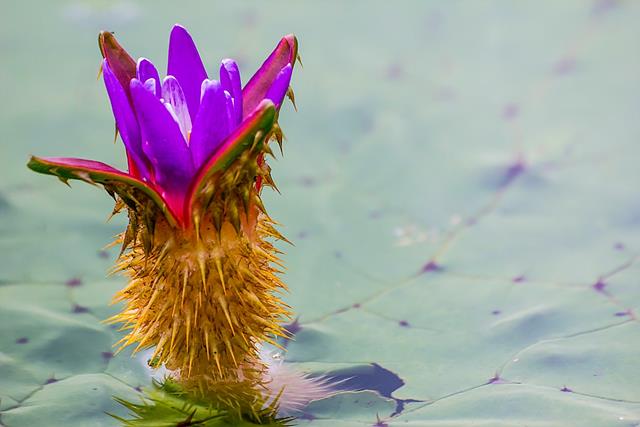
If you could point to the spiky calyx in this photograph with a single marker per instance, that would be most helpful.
(206, 296)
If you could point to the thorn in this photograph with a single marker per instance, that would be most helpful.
(185, 277)
(246, 199)
(216, 215)
(217, 359)
(257, 139)
(111, 193)
(85, 177)
(270, 182)
(234, 217)
(219, 268)
(202, 268)
(292, 97)
(174, 331)
(196, 224)
(115, 136)
(223, 304)
(206, 343)
(189, 420)
(280, 146)
(64, 180)
(230, 349)
(191, 357)
(267, 150)
(188, 329)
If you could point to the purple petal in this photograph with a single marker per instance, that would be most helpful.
(162, 141)
(280, 85)
(186, 66)
(121, 63)
(212, 122)
(145, 70)
(230, 116)
(125, 120)
(150, 85)
(174, 98)
(230, 80)
(257, 87)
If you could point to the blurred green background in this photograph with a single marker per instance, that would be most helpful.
(460, 181)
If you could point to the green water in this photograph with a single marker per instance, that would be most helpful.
(498, 140)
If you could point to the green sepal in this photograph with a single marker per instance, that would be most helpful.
(252, 133)
(95, 173)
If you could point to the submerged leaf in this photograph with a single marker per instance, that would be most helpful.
(166, 404)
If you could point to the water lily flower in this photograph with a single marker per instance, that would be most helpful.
(203, 271)
(180, 129)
